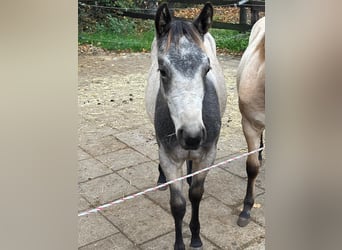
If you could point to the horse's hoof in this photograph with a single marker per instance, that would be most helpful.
(196, 248)
(244, 218)
(196, 244)
(179, 247)
(242, 222)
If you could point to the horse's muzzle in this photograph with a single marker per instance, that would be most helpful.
(191, 140)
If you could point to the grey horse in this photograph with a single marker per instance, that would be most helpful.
(185, 100)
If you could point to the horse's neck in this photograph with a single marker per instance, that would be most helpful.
(217, 73)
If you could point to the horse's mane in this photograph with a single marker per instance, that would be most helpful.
(180, 28)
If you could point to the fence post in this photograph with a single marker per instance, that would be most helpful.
(254, 15)
(171, 6)
(152, 6)
(243, 15)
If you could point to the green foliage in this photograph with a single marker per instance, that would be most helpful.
(134, 42)
(115, 25)
(230, 40)
(92, 19)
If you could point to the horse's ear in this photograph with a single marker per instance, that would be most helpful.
(162, 20)
(205, 19)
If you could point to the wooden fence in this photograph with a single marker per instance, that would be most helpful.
(254, 6)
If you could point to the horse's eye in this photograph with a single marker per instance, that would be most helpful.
(207, 70)
(162, 72)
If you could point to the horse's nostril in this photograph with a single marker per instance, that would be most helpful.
(193, 141)
(190, 140)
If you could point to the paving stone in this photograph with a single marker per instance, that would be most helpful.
(83, 204)
(91, 168)
(162, 198)
(258, 245)
(226, 187)
(82, 155)
(92, 130)
(233, 145)
(93, 227)
(100, 146)
(142, 176)
(105, 189)
(218, 224)
(114, 242)
(237, 167)
(150, 149)
(122, 159)
(165, 242)
(140, 219)
(137, 136)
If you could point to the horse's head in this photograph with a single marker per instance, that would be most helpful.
(183, 68)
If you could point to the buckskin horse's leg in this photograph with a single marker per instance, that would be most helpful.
(253, 136)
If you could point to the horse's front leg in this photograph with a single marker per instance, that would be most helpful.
(195, 195)
(173, 170)
(178, 207)
(253, 136)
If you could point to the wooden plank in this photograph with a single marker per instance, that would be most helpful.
(220, 2)
(214, 2)
(232, 26)
(137, 15)
(216, 25)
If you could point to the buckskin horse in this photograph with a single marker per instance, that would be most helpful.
(251, 91)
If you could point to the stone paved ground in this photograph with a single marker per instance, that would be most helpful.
(118, 156)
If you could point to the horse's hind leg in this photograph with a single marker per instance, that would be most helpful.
(253, 136)
(189, 171)
(161, 178)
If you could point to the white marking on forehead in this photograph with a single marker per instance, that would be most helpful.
(186, 57)
(187, 47)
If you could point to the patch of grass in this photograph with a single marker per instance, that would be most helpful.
(230, 40)
(133, 42)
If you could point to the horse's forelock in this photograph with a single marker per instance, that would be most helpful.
(179, 29)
